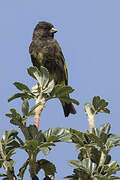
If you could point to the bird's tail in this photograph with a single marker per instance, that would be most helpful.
(68, 108)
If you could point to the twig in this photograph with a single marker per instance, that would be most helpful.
(102, 159)
(32, 161)
(91, 116)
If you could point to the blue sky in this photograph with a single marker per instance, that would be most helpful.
(89, 35)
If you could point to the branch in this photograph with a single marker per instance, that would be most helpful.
(39, 110)
(102, 158)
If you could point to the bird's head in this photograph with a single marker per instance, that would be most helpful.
(44, 30)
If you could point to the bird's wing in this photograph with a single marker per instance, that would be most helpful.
(61, 61)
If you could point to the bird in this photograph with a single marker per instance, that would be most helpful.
(45, 51)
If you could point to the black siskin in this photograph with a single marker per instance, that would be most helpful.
(45, 51)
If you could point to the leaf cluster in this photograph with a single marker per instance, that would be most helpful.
(44, 88)
(94, 160)
(8, 144)
(93, 147)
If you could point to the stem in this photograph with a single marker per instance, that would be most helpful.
(10, 175)
(32, 164)
(102, 159)
(91, 120)
(39, 110)
(91, 116)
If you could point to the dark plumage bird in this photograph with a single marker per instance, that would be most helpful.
(45, 51)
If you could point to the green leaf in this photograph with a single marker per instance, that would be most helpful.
(10, 153)
(14, 144)
(7, 134)
(46, 144)
(79, 137)
(100, 105)
(95, 102)
(104, 128)
(45, 150)
(111, 144)
(111, 168)
(55, 90)
(48, 167)
(31, 114)
(16, 117)
(33, 108)
(40, 137)
(21, 95)
(79, 175)
(58, 135)
(114, 177)
(96, 140)
(78, 147)
(31, 145)
(21, 87)
(22, 169)
(34, 72)
(66, 138)
(74, 163)
(60, 91)
(25, 107)
(101, 137)
(70, 177)
(101, 177)
(9, 115)
(9, 164)
(2, 175)
(20, 140)
(86, 165)
(106, 110)
(33, 131)
(69, 100)
(16, 122)
(9, 149)
(52, 138)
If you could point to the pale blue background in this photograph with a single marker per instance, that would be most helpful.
(89, 34)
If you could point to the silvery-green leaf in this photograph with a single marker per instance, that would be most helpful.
(49, 88)
(35, 73)
(35, 87)
(45, 150)
(36, 90)
(45, 77)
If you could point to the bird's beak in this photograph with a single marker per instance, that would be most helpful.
(53, 30)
